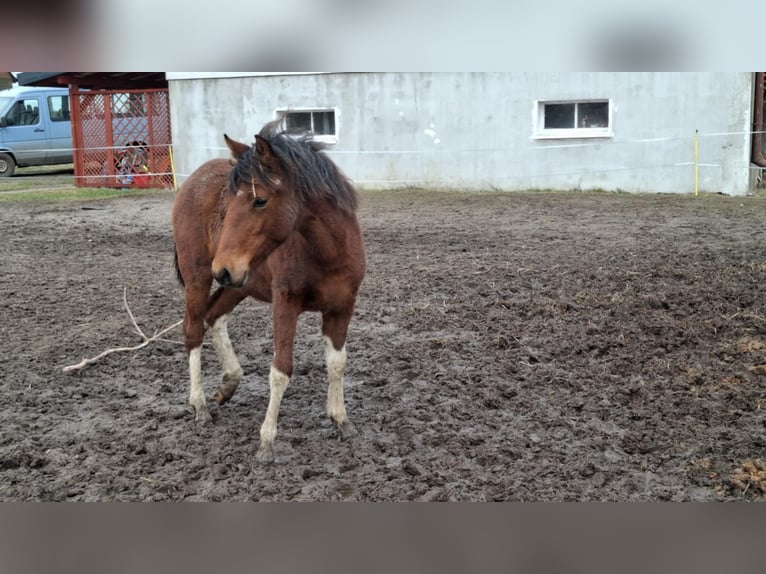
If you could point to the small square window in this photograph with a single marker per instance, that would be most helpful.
(321, 123)
(593, 115)
(559, 116)
(298, 121)
(574, 119)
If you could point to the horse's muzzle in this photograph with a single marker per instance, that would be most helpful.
(225, 279)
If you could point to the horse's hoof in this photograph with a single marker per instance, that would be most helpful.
(220, 398)
(227, 389)
(202, 417)
(265, 455)
(347, 430)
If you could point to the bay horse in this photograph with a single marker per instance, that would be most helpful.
(277, 222)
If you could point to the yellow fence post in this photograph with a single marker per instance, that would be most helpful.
(696, 162)
(173, 168)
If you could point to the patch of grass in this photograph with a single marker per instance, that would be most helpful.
(39, 177)
(11, 184)
(60, 168)
(73, 194)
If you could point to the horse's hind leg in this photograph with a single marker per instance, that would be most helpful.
(221, 304)
(334, 329)
(194, 333)
(232, 371)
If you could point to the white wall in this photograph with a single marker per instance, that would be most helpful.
(474, 131)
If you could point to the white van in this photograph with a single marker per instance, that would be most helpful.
(35, 128)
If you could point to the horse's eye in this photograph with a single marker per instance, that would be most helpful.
(260, 202)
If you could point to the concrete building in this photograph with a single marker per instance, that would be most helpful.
(489, 131)
(6, 80)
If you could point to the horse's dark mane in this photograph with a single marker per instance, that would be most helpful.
(312, 173)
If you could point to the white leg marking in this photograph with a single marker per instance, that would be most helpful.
(222, 346)
(277, 384)
(336, 367)
(197, 393)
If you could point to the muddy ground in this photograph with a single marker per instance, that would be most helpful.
(532, 346)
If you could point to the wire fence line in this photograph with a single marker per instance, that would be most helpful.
(542, 144)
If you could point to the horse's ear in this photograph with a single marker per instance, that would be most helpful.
(266, 155)
(236, 148)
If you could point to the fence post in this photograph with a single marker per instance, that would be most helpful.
(696, 161)
(173, 167)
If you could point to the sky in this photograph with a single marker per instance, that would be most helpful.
(382, 35)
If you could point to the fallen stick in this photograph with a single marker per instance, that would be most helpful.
(85, 362)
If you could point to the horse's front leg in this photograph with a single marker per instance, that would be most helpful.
(285, 314)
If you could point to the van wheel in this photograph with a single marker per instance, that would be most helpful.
(7, 165)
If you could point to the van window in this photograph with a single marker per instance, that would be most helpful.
(24, 112)
(58, 106)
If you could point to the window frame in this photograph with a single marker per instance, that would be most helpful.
(541, 133)
(282, 113)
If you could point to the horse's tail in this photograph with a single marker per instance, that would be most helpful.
(178, 269)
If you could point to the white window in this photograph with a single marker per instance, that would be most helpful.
(320, 122)
(573, 119)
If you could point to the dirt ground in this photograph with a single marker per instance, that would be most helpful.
(530, 346)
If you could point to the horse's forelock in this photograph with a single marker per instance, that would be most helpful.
(312, 173)
(247, 169)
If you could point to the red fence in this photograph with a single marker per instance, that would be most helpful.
(121, 138)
